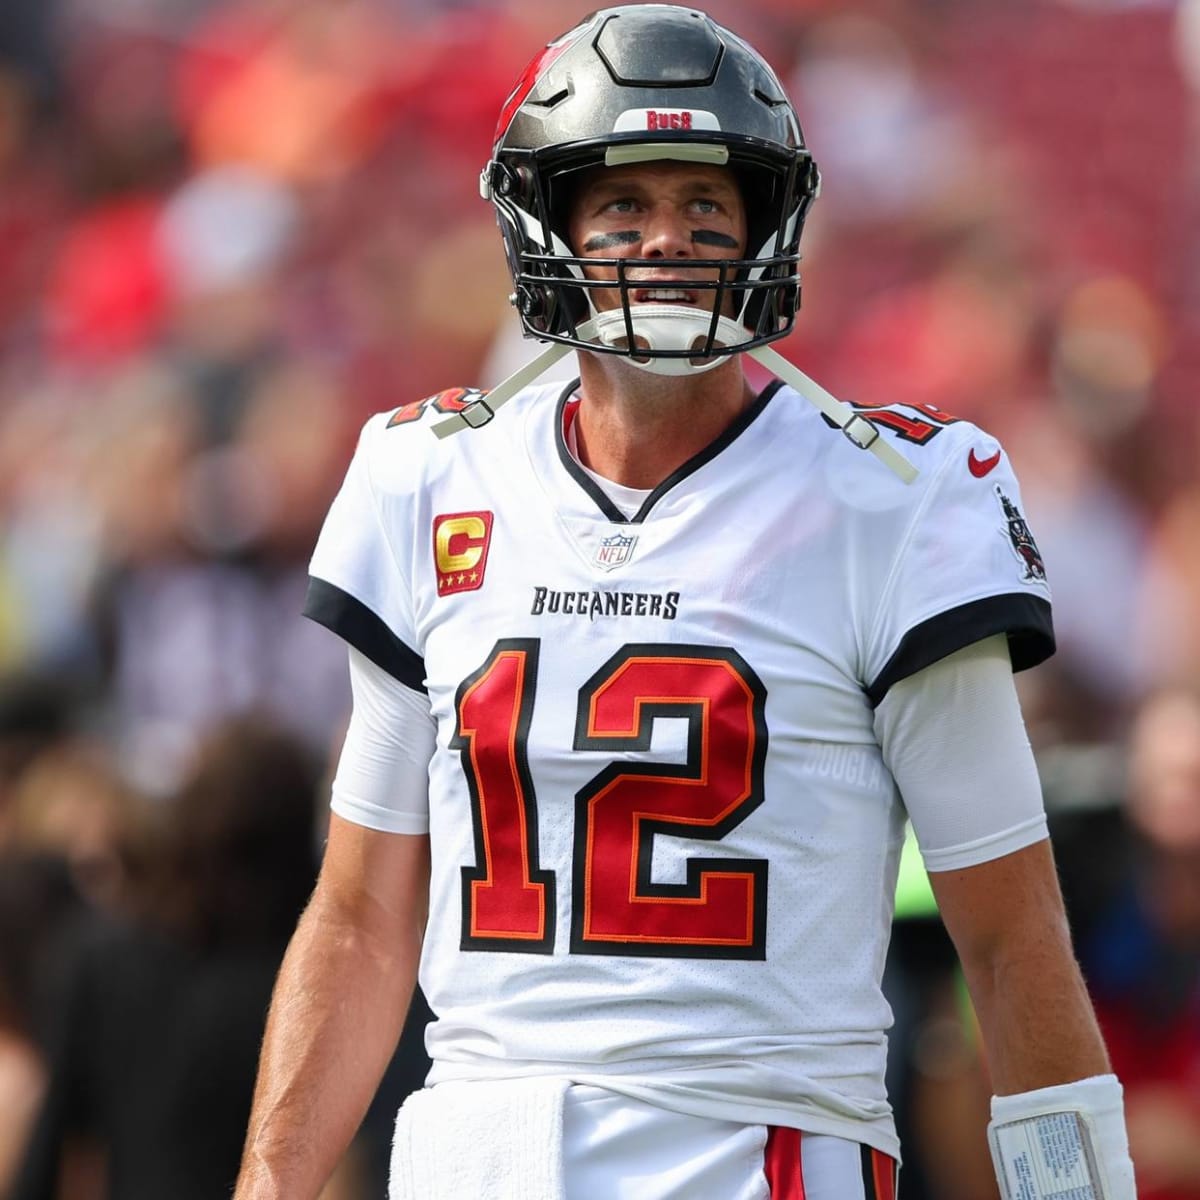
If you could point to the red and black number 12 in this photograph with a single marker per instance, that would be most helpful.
(719, 910)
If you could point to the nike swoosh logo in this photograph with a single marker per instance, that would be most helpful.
(981, 467)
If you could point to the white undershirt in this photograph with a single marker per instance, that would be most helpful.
(952, 736)
(628, 500)
(382, 778)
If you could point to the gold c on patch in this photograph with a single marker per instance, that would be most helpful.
(460, 549)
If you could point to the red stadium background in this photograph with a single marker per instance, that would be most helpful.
(231, 231)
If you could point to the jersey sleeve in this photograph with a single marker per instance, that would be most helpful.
(356, 586)
(966, 567)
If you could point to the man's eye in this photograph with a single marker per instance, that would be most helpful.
(707, 207)
(622, 206)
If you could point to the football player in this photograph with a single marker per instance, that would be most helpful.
(648, 672)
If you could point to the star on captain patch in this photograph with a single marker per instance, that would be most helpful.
(614, 550)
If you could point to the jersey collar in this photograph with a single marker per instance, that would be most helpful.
(565, 413)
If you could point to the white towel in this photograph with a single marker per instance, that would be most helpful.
(494, 1140)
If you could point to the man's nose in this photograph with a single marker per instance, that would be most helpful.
(666, 234)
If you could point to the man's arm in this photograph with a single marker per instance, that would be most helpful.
(953, 737)
(955, 741)
(1058, 1121)
(337, 1011)
(1007, 922)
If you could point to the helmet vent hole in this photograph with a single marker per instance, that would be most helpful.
(769, 101)
(551, 101)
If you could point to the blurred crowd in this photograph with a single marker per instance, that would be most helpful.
(232, 229)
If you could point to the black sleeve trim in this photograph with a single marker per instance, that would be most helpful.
(355, 623)
(1026, 619)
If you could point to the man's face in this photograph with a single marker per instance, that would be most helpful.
(671, 212)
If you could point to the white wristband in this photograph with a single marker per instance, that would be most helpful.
(1063, 1143)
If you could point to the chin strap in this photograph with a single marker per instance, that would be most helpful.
(480, 411)
(859, 430)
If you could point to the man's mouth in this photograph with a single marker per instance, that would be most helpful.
(663, 295)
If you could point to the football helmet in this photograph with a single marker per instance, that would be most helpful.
(643, 83)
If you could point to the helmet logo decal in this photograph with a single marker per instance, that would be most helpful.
(460, 550)
(668, 120)
(665, 120)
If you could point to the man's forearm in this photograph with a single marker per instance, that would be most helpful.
(1007, 921)
(1056, 1104)
(1036, 1017)
(1057, 1111)
(335, 1018)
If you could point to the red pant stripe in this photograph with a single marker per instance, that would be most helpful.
(781, 1163)
(879, 1174)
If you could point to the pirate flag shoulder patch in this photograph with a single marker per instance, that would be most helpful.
(1021, 540)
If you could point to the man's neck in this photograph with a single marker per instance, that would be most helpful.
(636, 428)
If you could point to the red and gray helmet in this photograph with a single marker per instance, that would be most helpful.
(650, 82)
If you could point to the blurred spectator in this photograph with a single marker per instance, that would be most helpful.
(1172, 596)
(71, 803)
(1094, 541)
(37, 902)
(329, 74)
(1142, 954)
(155, 1040)
(34, 713)
(207, 569)
(106, 296)
(25, 41)
(890, 141)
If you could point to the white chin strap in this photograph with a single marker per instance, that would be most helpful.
(859, 430)
(658, 327)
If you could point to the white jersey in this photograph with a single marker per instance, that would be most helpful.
(664, 840)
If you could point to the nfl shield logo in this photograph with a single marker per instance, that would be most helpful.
(614, 551)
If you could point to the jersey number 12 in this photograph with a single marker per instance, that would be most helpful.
(509, 901)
